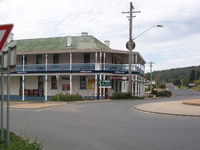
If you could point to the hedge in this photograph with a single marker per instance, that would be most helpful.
(66, 97)
(164, 93)
(124, 96)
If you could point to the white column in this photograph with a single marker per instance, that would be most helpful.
(132, 85)
(100, 89)
(71, 87)
(135, 85)
(46, 61)
(70, 60)
(46, 78)
(23, 78)
(100, 60)
(95, 86)
(46, 87)
(104, 89)
(23, 63)
(104, 57)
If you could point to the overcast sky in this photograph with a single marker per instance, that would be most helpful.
(177, 44)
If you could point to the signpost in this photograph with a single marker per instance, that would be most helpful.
(105, 83)
(5, 31)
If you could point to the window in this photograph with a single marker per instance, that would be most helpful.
(53, 82)
(83, 83)
(38, 59)
(87, 58)
(55, 58)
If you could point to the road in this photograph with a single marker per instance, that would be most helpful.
(109, 126)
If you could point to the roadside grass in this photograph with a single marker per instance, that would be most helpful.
(196, 89)
(20, 143)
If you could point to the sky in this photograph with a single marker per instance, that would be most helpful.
(177, 44)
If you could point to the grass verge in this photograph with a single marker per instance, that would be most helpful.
(20, 143)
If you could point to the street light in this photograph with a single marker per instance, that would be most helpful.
(158, 26)
(155, 26)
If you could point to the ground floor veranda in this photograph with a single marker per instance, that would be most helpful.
(43, 86)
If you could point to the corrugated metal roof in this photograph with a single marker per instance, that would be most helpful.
(60, 43)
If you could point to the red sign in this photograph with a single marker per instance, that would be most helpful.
(4, 33)
(118, 78)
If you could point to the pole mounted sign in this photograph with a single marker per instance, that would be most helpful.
(4, 33)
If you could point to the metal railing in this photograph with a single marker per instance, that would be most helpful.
(78, 67)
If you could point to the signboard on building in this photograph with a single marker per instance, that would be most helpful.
(105, 83)
(91, 84)
(118, 78)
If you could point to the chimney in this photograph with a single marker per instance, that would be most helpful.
(84, 33)
(107, 43)
(69, 41)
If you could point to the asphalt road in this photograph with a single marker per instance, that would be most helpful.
(109, 126)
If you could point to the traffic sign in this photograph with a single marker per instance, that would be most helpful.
(4, 33)
(105, 83)
(130, 45)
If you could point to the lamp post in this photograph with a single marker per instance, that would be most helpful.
(155, 26)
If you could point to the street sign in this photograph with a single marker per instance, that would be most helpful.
(130, 45)
(4, 33)
(105, 83)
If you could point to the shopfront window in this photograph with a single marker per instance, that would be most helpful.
(83, 83)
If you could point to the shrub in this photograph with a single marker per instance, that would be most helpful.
(67, 97)
(164, 93)
(162, 86)
(19, 143)
(154, 92)
(124, 96)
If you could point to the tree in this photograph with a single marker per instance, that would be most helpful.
(147, 76)
(177, 82)
(158, 80)
(192, 75)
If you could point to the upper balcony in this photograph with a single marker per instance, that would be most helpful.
(79, 67)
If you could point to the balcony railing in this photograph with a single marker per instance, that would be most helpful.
(116, 68)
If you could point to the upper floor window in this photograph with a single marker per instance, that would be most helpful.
(38, 59)
(55, 58)
(87, 58)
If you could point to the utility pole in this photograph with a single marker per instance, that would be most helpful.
(151, 66)
(130, 45)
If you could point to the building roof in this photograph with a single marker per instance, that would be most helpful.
(59, 44)
(84, 43)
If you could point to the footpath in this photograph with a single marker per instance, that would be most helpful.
(42, 105)
(180, 108)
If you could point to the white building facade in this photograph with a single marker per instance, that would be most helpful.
(75, 65)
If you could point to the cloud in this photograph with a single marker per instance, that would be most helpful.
(169, 46)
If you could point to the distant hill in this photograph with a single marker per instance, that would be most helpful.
(171, 75)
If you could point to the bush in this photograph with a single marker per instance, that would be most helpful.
(164, 93)
(154, 92)
(124, 96)
(19, 143)
(162, 86)
(67, 97)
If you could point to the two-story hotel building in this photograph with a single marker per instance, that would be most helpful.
(73, 64)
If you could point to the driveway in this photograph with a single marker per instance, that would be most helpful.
(108, 126)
